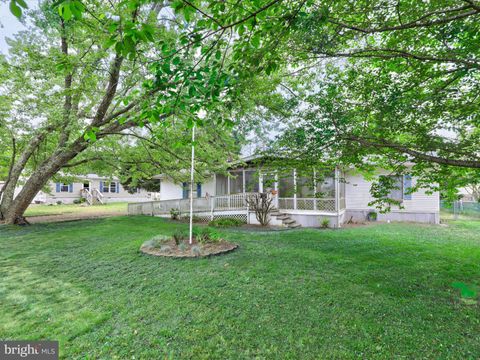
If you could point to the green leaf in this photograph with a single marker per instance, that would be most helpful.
(22, 4)
(256, 40)
(65, 11)
(15, 9)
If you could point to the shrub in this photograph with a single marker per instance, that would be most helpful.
(372, 216)
(196, 250)
(174, 214)
(156, 242)
(77, 201)
(325, 224)
(182, 246)
(179, 236)
(59, 202)
(165, 248)
(226, 222)
(206, 235)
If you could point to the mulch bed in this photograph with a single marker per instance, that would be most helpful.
(170, 249)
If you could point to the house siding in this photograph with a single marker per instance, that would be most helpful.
(422, 207)
(52, 196)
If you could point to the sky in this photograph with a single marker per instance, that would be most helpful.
(9, 24)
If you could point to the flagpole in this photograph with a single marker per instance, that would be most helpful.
(191, 185)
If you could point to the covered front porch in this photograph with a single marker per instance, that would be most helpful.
(306, 196)
(292, 189)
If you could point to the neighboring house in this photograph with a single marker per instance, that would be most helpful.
(341, 197)
(94, 189)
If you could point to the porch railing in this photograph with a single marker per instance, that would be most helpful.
(227, 203)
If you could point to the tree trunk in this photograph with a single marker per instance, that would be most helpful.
(39, 179)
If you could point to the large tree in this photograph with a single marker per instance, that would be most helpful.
(86, 71)
(385, 82)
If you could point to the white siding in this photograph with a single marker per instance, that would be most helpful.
(170, 190)
(52, 196)
(357, 195)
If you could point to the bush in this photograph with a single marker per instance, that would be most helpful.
(196, 250)
(156, 242)
(372, 216)
(174, 214)
(77, 201)
(226, 222)
(179, 236)
(59, 202)
(325, 224)
(206, 235)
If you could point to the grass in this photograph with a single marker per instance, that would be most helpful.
(42, 210)
(377, 291)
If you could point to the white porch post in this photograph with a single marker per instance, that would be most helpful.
(314, 189)
(295, 189)
(228, 190)
(337, 194)
(243, 181)
(260, 182)
(275, 187)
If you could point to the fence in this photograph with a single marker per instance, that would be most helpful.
(467, 210)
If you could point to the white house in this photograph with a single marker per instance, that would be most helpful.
(94, 189)
(300, 199)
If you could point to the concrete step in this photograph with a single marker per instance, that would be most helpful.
(294, 226)
(289, 221)
(283, 217)
(276, 213)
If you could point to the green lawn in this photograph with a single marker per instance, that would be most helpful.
(41, 210)
(370, 292)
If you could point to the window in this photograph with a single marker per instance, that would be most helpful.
(64, 187)
(326, 186)
(305, 186)
(236, 182)
(221, 187)
(396, 192)
(251, 181)
(197, 192)
(186, 190)
(113, 187)
(108, 187)
(286, 188)
(86, 186)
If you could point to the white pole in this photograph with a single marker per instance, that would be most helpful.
(191, 185)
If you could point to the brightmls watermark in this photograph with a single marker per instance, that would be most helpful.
(30, 350)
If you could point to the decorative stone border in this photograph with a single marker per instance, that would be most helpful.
(188, 255)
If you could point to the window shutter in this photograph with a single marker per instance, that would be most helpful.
(70, 187)
(101, 186)
(407, 184)
(184, 188)
(118, 187)
(57, 187)
(199, 190)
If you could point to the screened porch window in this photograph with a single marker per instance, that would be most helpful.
(251, 181)
(286, 186)
(236, 182)
(305, 186)
(221, 185)
(325, 187)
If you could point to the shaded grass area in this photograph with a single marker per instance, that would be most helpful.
(41, 210)
(371, 292)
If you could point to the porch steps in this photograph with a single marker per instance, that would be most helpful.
(286, 219)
